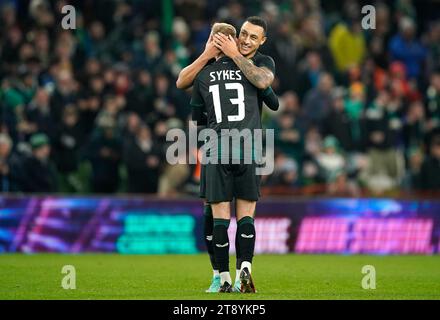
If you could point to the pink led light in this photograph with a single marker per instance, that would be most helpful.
(272, 235)
(322, 235)
(392, 235)
(368, 235)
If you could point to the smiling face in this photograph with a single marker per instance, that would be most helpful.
(250, 39)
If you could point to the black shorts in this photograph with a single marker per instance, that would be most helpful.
(224, 182)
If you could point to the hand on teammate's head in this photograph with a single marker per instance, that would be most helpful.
(227, 44)
(210, 49)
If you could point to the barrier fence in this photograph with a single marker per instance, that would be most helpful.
(141, 225)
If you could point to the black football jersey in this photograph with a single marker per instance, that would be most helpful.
(229, 99)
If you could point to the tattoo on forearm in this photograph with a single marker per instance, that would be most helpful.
(254, 74)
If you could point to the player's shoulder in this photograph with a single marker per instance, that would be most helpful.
(204, 73)
(258, 55)
(261, 59)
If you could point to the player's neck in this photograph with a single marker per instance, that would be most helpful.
(219, 56)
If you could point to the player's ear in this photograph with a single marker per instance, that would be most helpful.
(263, 40)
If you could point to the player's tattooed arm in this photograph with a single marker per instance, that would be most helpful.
(260, 77)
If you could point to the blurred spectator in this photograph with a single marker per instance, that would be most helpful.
(384, 172)
(13, 41)
(414, 129)
(39, 172)
(68, 141)
(311, 171)
(317, 102)
(330, 159)
(142, 158)
(65, 93)
(434, 46)
(104, 153)
(385, 164)
(98, 46)
(411, 180)
(282, 49)
(377, 44)
(406, 48)
(347, 45)
(354, 106)
(289, 102)
(174, 176)
(433, 101)
(430, 171)
(9, 166)
(285, 172)
(39, 115)
(340, 186)
(288, 136)
(140, 97)
(172, 179)
(132, 124)
(310, 70)
(181, 35)
(337, 123)
(150, 56)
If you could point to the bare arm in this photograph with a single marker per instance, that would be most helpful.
(260, 77)
(189, 73)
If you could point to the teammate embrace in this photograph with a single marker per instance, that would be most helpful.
(231, 80)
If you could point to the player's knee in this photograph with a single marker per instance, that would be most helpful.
(221, 210)
(245, 208)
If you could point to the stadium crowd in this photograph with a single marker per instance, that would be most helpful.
(87, 110)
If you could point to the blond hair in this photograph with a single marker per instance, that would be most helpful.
(225, 28)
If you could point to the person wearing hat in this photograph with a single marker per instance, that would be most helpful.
(330, 159)
(40, 175)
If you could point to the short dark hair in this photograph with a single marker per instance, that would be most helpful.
(258, 21)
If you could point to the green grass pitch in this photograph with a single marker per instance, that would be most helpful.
(108, 276)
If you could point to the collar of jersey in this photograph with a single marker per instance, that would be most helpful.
(224, 58)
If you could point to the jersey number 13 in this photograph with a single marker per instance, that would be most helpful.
(239, 101)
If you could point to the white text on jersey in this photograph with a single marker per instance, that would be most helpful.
(225, 75)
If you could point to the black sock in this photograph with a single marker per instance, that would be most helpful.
(237, 249)
(246, 238)
(221, 244)
(208, 233)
